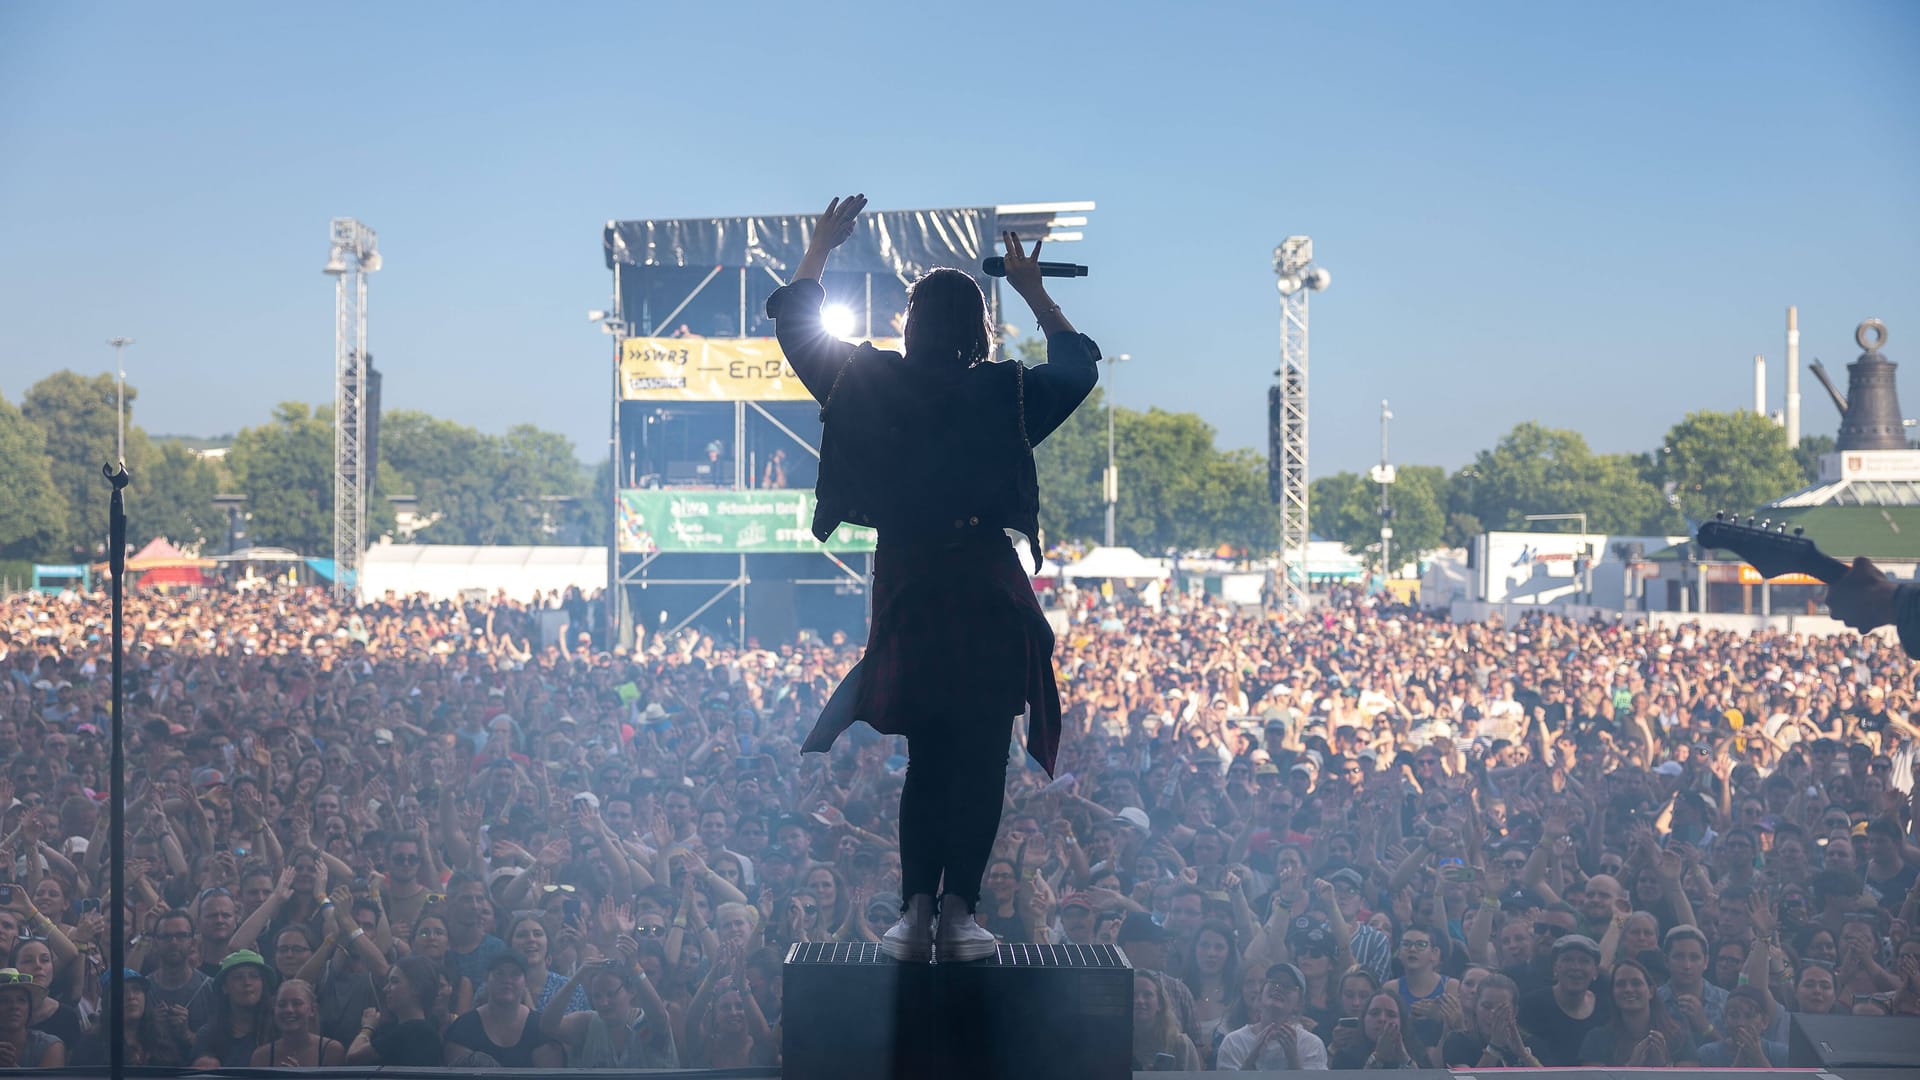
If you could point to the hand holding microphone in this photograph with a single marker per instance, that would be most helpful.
(1024, 273)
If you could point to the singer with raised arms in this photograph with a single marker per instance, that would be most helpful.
(934, 450)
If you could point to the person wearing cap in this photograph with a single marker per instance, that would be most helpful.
(937, 455)
(1559, 1021)
(151, 1038)
(23, 1046)
(241, 1014)
(1275, 1039)
(1146, 943)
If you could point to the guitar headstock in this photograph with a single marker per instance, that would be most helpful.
(1770, 548)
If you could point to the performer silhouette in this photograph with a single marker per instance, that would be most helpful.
(934, 449)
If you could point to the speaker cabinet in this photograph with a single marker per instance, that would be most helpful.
(1063, 1011)
(1853, 1042)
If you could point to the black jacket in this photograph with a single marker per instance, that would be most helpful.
(918, 452)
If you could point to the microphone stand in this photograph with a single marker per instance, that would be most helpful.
(116, 783)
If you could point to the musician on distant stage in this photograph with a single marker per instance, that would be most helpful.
(934, 449)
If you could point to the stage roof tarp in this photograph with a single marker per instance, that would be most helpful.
(901, 243)
(443, 570)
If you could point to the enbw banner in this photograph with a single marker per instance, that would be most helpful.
(710, 369)
(729, 522)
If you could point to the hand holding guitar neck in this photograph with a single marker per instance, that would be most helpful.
(1859, 595)
(1863, 597)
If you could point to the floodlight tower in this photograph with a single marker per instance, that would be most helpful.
(354, 255)
(1287, 439)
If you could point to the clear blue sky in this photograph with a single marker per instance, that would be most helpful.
(1591, 215)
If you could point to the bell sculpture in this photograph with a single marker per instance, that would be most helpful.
(1870, 416)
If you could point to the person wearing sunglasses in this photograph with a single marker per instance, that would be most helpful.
(408, 870)
(1549, 926)
(21, 1045)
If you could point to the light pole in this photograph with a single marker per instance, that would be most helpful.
(1580, 579)
(1383, 474)
(120, 366)
(1110, 480)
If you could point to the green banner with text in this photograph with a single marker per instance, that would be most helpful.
(728, 522)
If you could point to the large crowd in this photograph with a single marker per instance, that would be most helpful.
(409, 833)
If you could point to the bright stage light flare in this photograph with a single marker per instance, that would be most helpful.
(838, 320)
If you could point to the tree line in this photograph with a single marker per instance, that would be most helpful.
(523, 487)
(1177, 488)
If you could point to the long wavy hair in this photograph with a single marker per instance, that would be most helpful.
(947, 319)
(1229, 971)
(1164, 1033)
(1658, 1019)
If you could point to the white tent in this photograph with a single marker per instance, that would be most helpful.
(442, 571)
(1116, 562)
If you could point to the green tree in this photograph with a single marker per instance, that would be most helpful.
(79, 418)
(525, 487)
(1535, 469)
(285, 469)
(1346, 507)
(174, 499)
(1808, 454)
(1726, 461)
(453, 470)
(32, 513)
(1176, 488)
(542, 481)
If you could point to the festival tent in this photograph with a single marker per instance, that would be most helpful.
(162, 564)
(446, 571)
(1116, 562)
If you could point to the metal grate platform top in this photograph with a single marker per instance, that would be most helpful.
(1005, 955)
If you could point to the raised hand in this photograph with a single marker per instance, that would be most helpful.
(836, 223)
(1023, 270)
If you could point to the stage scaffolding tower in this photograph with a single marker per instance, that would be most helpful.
(355, 254)
(1287, 414)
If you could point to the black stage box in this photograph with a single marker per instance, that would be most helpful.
(1853, 1041)
(1063, 1011)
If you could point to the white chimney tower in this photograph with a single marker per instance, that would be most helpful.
(1760, 385)
(1793, 377)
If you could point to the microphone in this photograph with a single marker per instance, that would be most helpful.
(997, 267)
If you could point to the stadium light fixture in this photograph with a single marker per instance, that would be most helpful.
(336, 263)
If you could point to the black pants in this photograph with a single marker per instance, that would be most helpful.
(950, 806)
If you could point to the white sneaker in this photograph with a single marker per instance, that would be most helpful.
(960, 937)
(911, 939)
